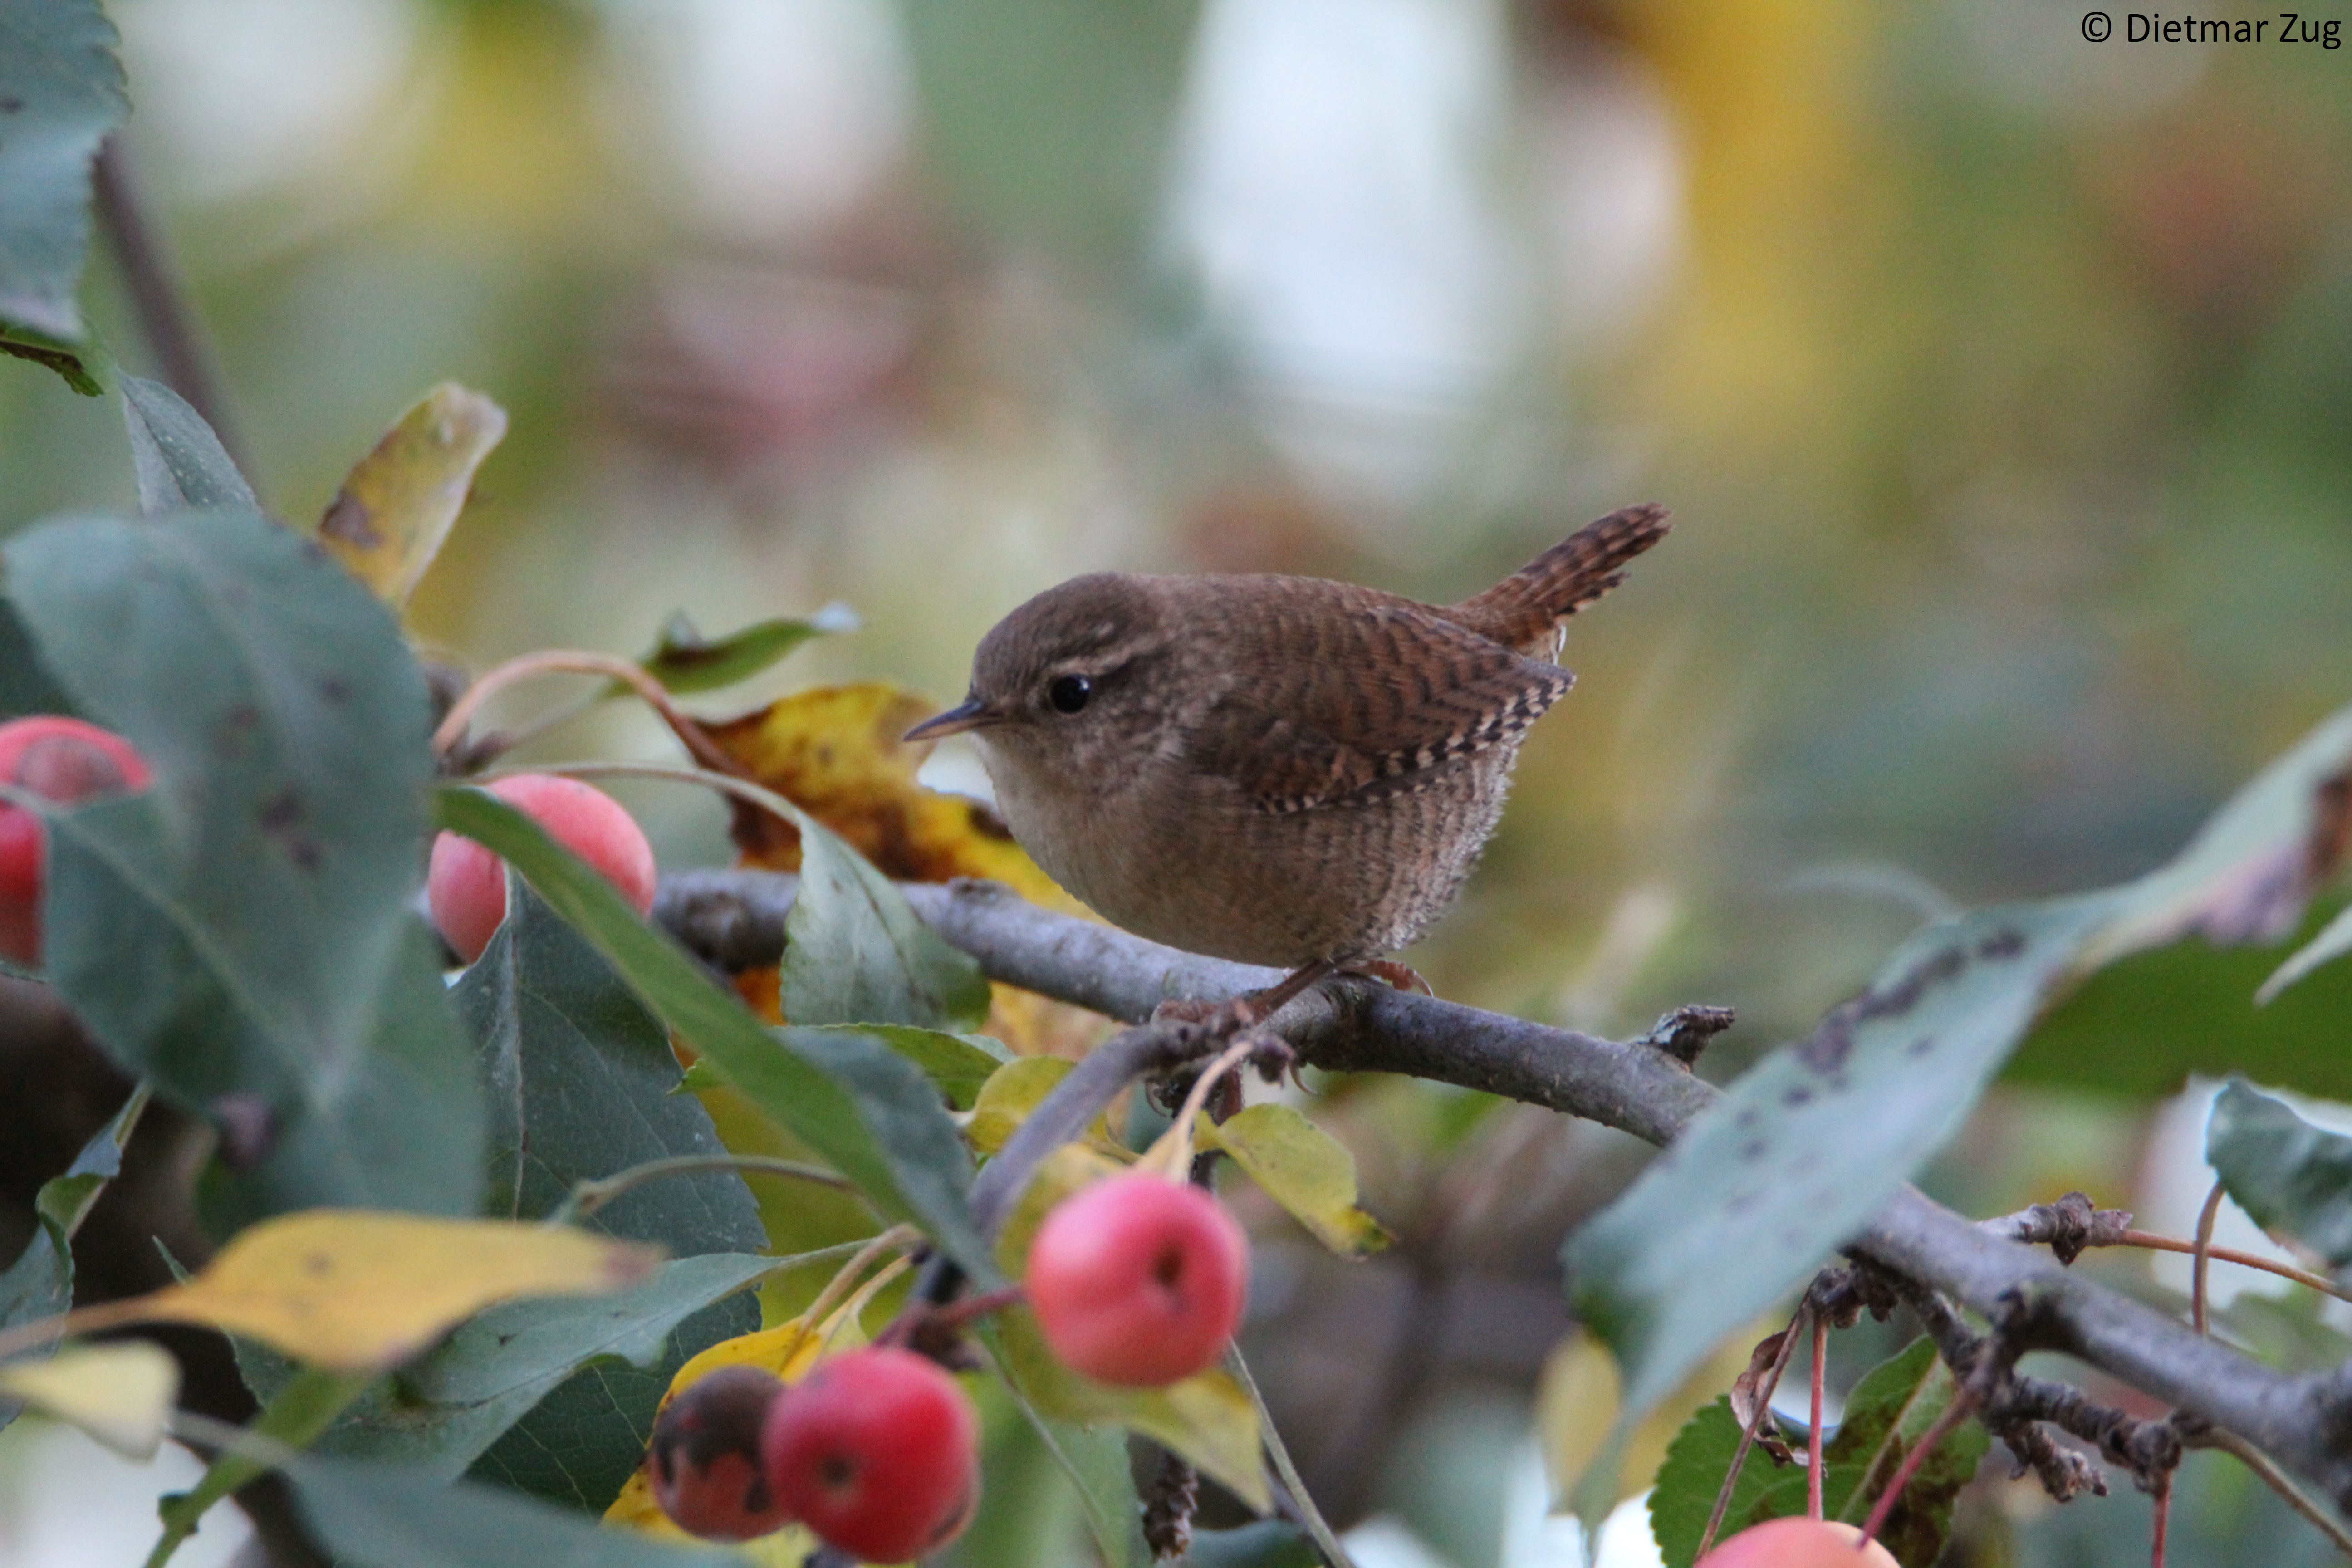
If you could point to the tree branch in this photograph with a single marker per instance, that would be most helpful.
(159, 295)
(735, 918)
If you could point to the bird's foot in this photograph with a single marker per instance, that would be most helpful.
(1404, 977)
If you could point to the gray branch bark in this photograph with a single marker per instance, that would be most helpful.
(735, 918)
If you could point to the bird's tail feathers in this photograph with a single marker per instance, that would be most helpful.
(1525, 610)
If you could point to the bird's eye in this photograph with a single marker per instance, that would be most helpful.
(1069, 693)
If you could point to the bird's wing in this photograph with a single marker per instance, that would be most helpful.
(1351, 695)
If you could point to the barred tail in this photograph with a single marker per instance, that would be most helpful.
(1525, 610)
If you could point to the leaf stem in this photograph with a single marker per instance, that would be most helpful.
(2201, 1255)
(2155, 1243)
(1813, 1438)
(575, 661)
(2278, 1480)
(587, 1197)
(726, 783)
(839, 1286)
(1963, 1405)
(1765, 1387)
(1318, 1529)
(159, 295)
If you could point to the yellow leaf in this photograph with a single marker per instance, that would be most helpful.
(121, 1394)
(355, 1289)
(1011, 1093)
(398, 503)
(1301, 1167)
(834, 751)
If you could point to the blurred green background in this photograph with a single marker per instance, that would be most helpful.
(2001, 382)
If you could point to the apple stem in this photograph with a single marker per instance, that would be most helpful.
(1963, 1405)
(1764, 1388)
(2201, 1255)
(2163, 1519)
(1813, 1438)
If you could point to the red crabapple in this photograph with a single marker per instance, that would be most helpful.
(467, 885)
(704, 1459)
(1797, 1543)
(1138, 1280)
(66, 761)
(877, 1452)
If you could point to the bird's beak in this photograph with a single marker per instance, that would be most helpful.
(972, 714)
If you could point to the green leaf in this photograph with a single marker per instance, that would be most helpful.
(446, 1411)
(82, 368)
(1094, 1460)
(388, 1516)
(2292, 1179)
(303, 1404)
(1207, 1418)
(61, 90)
(1011, 1093)
(792, 1080)
(1889, 1411)
(1688, 1481)
(580, 1444)
(25, 686)
(685, 662)
(1885, 1415)
(956, 1065)
(582, 1085)
(2334, 941)
(180, 462)
(1304, 1169)
(1801, 1151)
(959, 1065)
(2097, 1038)
(855, 954)
(242, 934)
(39, 1284)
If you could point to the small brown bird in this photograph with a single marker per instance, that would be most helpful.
(1282, 771)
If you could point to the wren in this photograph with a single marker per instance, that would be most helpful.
(1281, 770)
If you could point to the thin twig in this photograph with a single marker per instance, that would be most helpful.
(160, 296)
(1319, 1530)
(575, 661)
(2163, 1520)
(2155, 1243)
(1813, 1438)
(587, 1197)
(1765, 1388)
(2278, 1480)
(733, 917)
(1963, 1405)
(849, 1311)
(2200, 1253)
(840, 1285)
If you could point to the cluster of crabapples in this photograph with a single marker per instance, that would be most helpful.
(1138, 1281)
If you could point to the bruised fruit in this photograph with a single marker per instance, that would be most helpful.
(467, 885)
(1138, 1280)
(704, 1459)
(66, 761)
(878, 1453)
